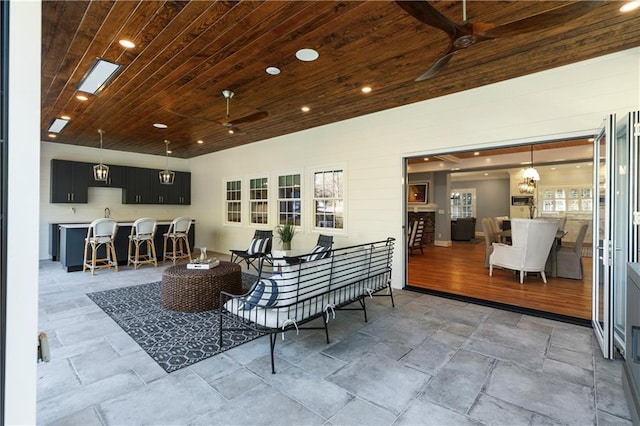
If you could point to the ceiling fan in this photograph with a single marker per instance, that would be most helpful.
(227, 121)
(468, 33)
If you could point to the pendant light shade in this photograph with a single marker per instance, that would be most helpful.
(166, 176)
(530, 177)
(101, 171)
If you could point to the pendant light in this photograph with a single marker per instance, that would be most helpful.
(101, 171)
(530, 177)
(166, 176)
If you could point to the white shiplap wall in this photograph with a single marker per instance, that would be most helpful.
(569, 99)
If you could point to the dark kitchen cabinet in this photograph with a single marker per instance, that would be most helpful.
(177, 193)
(140, 187)
(115, 179)
(70, 181)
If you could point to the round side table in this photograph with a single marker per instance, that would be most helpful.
(196, 290)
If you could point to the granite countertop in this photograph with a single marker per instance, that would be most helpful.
(120, 223)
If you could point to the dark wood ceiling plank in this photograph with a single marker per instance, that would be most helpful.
(189, 51)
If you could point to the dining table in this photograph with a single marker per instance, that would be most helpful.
(552, 260)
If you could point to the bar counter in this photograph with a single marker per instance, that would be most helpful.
(70, 249)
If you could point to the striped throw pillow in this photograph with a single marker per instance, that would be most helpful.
(257, 246)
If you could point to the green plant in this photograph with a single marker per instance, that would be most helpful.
(286, 232)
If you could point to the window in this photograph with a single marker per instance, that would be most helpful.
(567, 199)
(328, 199)
(258, 201)
(289, 205)
(234, 201)
(463, 203)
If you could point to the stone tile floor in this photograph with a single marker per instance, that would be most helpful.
(428, 361)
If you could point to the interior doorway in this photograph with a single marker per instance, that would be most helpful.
(454, 266)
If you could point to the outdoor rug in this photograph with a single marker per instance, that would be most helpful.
(173, 339)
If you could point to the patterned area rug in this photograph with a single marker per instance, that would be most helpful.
(173, 339)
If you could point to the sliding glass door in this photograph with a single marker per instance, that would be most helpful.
(615, 239)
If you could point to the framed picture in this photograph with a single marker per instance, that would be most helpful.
(418, 193)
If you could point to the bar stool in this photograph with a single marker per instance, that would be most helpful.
(178, 234)
(100, 232)
(143, 233)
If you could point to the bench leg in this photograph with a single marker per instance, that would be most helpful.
(393, 304)
(325, 317)
(272, 341)
(364, 307)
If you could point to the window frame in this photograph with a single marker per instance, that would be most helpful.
(461, 191)
(299, 199)
(227, 201)
(252, 201)
(313, 199)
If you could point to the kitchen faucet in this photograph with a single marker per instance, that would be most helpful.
(107, 212)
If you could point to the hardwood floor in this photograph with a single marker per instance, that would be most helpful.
(460, 270)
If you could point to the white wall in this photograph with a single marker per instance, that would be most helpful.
(99, 198)
(574, 98)
(22, 200)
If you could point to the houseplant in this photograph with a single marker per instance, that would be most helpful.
(286, 233)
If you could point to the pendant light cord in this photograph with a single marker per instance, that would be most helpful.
(101, 133)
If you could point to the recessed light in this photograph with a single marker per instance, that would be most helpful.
(577, 167)
(307, 55)
(168, 151)
(553, 168)
(127, 43)
(426, 158)
(200, 141)
(160, 125)
(366, 89)
(476, 153)
(65, 117)
(82, 98)
(273, 70)
(628, 7)
(305, 109)
(51, 135)
(486, 174)
(231, 131)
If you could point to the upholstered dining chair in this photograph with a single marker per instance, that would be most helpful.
(570, 258)
(142, 234)
(489, 239)
(178, 235)
(531, 243)
(258, 251)
(101, 232)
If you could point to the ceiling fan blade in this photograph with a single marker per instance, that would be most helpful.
(439, 65)
(552, 17)
(424, 12)
(190, 116)
(246, 119)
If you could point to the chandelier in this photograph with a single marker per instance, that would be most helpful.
(530, 176)
(166, 176)
(100, 171)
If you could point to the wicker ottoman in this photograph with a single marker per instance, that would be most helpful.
(195, 290)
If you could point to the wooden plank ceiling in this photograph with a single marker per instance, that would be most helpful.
(188, 52)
